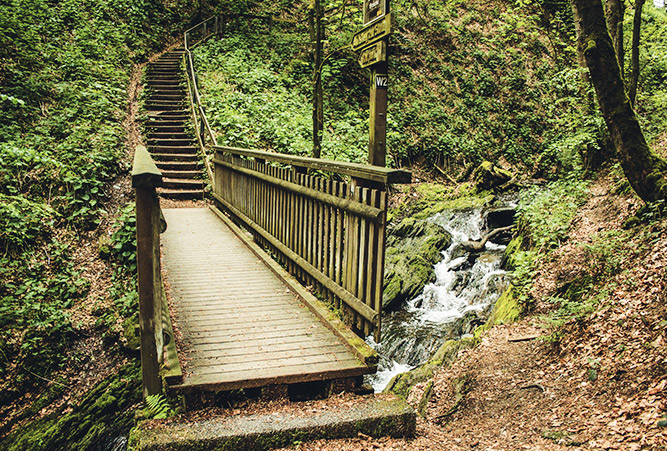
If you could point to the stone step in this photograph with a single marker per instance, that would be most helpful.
(168, 97)
(165, 66)
(163, 71)
(174, 174)
(169, 135)
(185, 184)
(178, 165)
(169, 157)
(170, 142)
(165, 127)
(167, 82)
(173, 149)
(154, 78)
(167, 90)
(171, 114)
(164, 106)
(180, 119)
(179, 194)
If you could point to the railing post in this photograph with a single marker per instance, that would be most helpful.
(145, 178)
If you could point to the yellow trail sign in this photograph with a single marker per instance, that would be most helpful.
(373, 54)
(374, 32)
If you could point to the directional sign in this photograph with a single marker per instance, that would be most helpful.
(373, 54)
(374, 9)
(373, 32)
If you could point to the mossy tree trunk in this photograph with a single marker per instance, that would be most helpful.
(636, 32)
(614, 12)
(645, 170)
(316, 28)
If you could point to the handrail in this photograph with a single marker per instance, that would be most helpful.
(355, 170)
(199, 119)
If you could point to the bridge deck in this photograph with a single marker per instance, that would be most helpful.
(241, 324)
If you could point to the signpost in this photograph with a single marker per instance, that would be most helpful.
(374, 9)
(373, 54)
(371, 41)
(371, 33)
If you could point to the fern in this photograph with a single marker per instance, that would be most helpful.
(158, 407)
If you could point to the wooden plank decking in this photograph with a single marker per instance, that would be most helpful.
(242, 325)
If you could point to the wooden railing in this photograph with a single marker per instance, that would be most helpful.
(205, 135)
(328, 233)
(157, 347)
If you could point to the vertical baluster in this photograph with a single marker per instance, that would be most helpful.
(362, 252)
(372, 261)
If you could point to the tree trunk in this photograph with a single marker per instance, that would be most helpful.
(317, 37)
(614, 12)
(636, 32)
(644, 169)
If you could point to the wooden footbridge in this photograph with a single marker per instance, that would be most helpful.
(277, 282)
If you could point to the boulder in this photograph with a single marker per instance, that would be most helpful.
(414, 246)
(488, 176)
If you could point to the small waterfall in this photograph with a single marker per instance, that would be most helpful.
(466, 288)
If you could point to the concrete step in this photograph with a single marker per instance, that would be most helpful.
(375, 416)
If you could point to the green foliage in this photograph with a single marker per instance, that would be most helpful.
(256, 93)
(35, 292)
(543, 221)
(545, 213)
(651, 103)
(124, 240)
(63, 92)
(22, 222)
(158, 407)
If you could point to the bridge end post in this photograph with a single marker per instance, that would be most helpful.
(145, 178)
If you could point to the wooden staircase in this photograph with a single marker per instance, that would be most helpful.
(169, 139)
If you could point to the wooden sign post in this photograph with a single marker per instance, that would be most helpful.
(371, 41)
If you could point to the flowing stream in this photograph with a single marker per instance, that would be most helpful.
(463, 294)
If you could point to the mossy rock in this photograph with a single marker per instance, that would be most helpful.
(488, 176)
(402, 383)
(413, 248)
(103, 414)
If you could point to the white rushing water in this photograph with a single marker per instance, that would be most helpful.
(464, 290)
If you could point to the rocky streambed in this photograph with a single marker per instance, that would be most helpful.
(443, 277)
